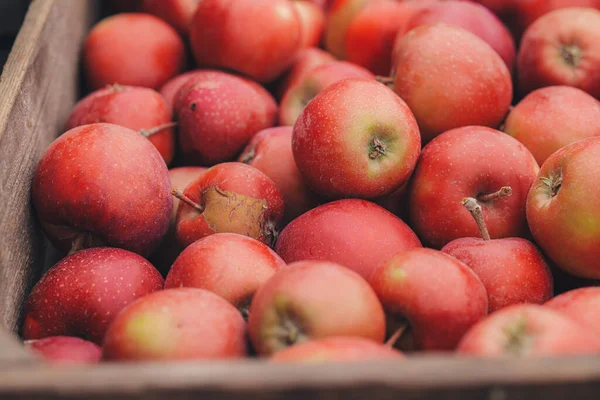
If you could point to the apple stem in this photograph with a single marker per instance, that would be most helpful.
(115, 87)
(378, 149)
(179, 195)
(474, 208)
(152, 131)
(504, 191)
(78, 243)
(386, 80)
(391, 342)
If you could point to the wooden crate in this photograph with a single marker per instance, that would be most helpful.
(38, 88)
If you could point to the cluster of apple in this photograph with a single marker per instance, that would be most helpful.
(346, 173)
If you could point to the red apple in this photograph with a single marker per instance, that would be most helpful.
(81, 294)
(218, 115)
(258, 38)
(446, 88)
(336, 349)
(230, 265)
(355, 233)
(528, 330)
(103, 184)
(550, 118)
(137, 108)
(396, 202)
(581, 305)
(312, 18)
(439, 296)
(65, 350)
(305, 62)
(560, 48)
(563, 208)
(270, 151)
(340, 15)
(299, 95)
(470, 162)
(473, 18)
(313, 300)
(169, 90)
(132, 49)
(177, 324)
(512, 270)
(230, 197)
(178, 13)
(356, 139)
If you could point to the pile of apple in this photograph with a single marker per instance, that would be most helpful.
(353, 181)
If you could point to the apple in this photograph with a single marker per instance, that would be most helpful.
(218, 115)
(550, 118)
(559, 49)
(528, 330)
(230, 265)
(171, 88)
(169, 249)
(446, 88)
(312, 18)
(176, 324)
(581, 305)
(305, 62)
(336, 349)
(65, 350)
(355, 233)
(230, 197)
(396, 202)
(141, 109)
(178, 13)
(81, 294)
(340, 15)
(270, 151)
(258, 38)
(474, 18)
(563, 208)
(473, 162)
(512, 270)
(103, 184)
(313, 300)
(133, 49)
(356, 139)
(437, 295)
(299, 95)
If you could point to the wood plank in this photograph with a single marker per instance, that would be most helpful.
(12, 354)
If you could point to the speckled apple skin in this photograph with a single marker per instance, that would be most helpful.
(178, 13)
(355, 233)
(135, 108)
(169, 90)
(65, 350)
(132, 49)
(177, 324)
(230, 265)
(305, 61)
(81, 294)
(107, 181)
(581, 305)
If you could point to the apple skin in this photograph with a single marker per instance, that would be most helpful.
(346, 232)
(65, 350)
(337, 137)
(133, 49)
(135, 108)
(512, 270)
(581, 305)
(177, 324)
(81, 294)
(446, 89)
(439, 296)
(563, 210)
(550, 118)
(312, 18)
(169, 90)
(320, 78)
(270, 151)
(218, 115)
(313, 300)
(177, 13)
(305, 62)
(560, 48)
(230, 265)
(528, 330)
(103, 184)
(340, 15)
(337, 349)
(258, 38)
(469, 162)
(236, 198)
(474, 18)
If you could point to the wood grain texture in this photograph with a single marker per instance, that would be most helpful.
(12, 354)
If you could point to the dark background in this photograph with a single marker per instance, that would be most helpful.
(12, 13)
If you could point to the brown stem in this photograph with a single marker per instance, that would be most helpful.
(178, 194)
(115, 87)
(78, 243)
(504, 191)
(378, 149)
(474, 208)
(386, 80)
(391, 342)
(152, 131)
